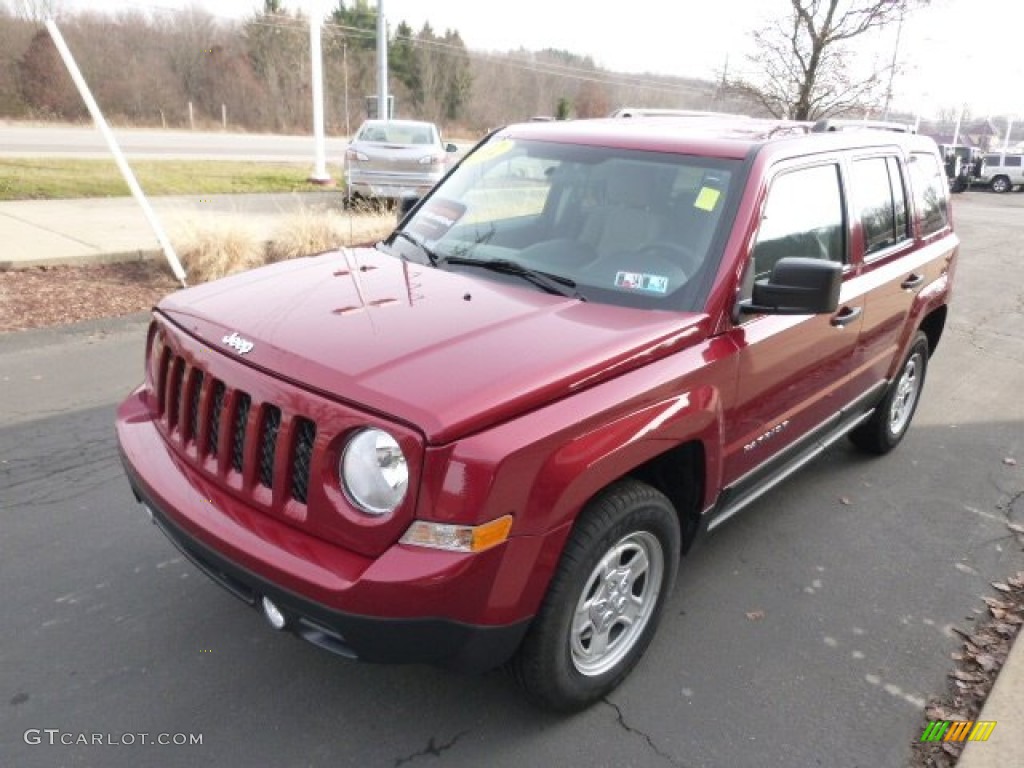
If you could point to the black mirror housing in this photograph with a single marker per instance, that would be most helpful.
(797, 286)
(405, 204)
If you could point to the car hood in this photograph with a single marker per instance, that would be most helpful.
(448, 353)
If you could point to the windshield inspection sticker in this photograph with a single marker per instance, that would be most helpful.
(638, 281)
(436, 218)
(707, 199)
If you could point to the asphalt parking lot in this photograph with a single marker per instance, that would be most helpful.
(809, 631)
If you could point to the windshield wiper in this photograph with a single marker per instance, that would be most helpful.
(556, 284)
(431, 256)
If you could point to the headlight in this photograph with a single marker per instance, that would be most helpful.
(374, 472)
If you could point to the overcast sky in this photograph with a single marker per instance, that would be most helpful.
(949, 52)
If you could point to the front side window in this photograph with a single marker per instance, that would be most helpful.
(878, 189)
(930, 195)
(627, 227)
(803, 216)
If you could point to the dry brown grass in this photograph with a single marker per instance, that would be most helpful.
(210, 249)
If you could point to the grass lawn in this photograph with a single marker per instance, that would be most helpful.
(61, 178)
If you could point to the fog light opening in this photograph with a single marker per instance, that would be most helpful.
(273, 613)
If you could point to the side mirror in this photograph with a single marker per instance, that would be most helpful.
(405, 204)
(450, 148)
(797, 286)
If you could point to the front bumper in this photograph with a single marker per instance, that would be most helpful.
(324, 590)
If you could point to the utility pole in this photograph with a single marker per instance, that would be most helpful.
(382, 63)
(320, 174)
(892, 66)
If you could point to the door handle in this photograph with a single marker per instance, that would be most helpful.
(913, 281)
(846, 316)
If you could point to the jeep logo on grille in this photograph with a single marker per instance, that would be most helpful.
(236, 342)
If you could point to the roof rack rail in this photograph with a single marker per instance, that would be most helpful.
(659, 112)
(833, 124)
(790, 126)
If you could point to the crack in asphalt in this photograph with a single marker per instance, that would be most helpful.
(1012, 502)
(975, 336)
(433, 749)
(1006, 508)
(647, 737)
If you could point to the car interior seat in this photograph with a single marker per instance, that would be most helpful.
(629, 217)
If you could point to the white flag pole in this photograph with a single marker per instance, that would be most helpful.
(122, 164)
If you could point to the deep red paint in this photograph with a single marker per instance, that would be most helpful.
(508, 400)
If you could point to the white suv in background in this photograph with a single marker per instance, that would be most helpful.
(1003, 171)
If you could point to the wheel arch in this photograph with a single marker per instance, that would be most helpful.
(932, 325)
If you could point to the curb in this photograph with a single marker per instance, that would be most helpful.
(82, 260)
(33, 338)
(1004, 705)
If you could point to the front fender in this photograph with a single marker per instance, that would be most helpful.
(542, 467)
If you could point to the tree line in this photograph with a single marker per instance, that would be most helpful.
(189, 67)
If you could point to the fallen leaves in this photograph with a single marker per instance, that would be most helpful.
(983, 653)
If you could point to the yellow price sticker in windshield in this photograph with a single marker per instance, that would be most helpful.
(491, 151)
(707, 199)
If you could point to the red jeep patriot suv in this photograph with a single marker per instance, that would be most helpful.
(489, 438)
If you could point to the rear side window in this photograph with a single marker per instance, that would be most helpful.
(929, 192)
(1012, 161)
(803, 216)
(878, 188)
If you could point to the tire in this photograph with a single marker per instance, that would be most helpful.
(1001, 184)
(890, 421)
(604, 601)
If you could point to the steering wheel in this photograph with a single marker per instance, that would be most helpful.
(678, 256)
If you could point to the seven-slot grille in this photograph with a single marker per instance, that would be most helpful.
(212, 420)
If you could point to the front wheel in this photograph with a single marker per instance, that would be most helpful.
(890, 421)
(605, 599)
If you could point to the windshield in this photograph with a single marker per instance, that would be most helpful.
(627, 227)
(397, 132)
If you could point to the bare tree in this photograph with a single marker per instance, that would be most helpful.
(39, 10)
(15, 36)
(802, 67)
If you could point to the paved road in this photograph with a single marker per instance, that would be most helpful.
(860, 566)
(86, 141)
(39, 140)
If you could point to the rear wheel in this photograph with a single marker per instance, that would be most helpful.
(605, 599)
(890, 421)
(1001, 184)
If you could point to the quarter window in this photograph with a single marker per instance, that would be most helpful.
(929, 192)
(878, 183)
(803, 216)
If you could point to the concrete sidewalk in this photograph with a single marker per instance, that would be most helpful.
(1004, 706)
(60, 232)
(57, 232)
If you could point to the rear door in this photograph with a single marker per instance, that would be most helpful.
(897, 256)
